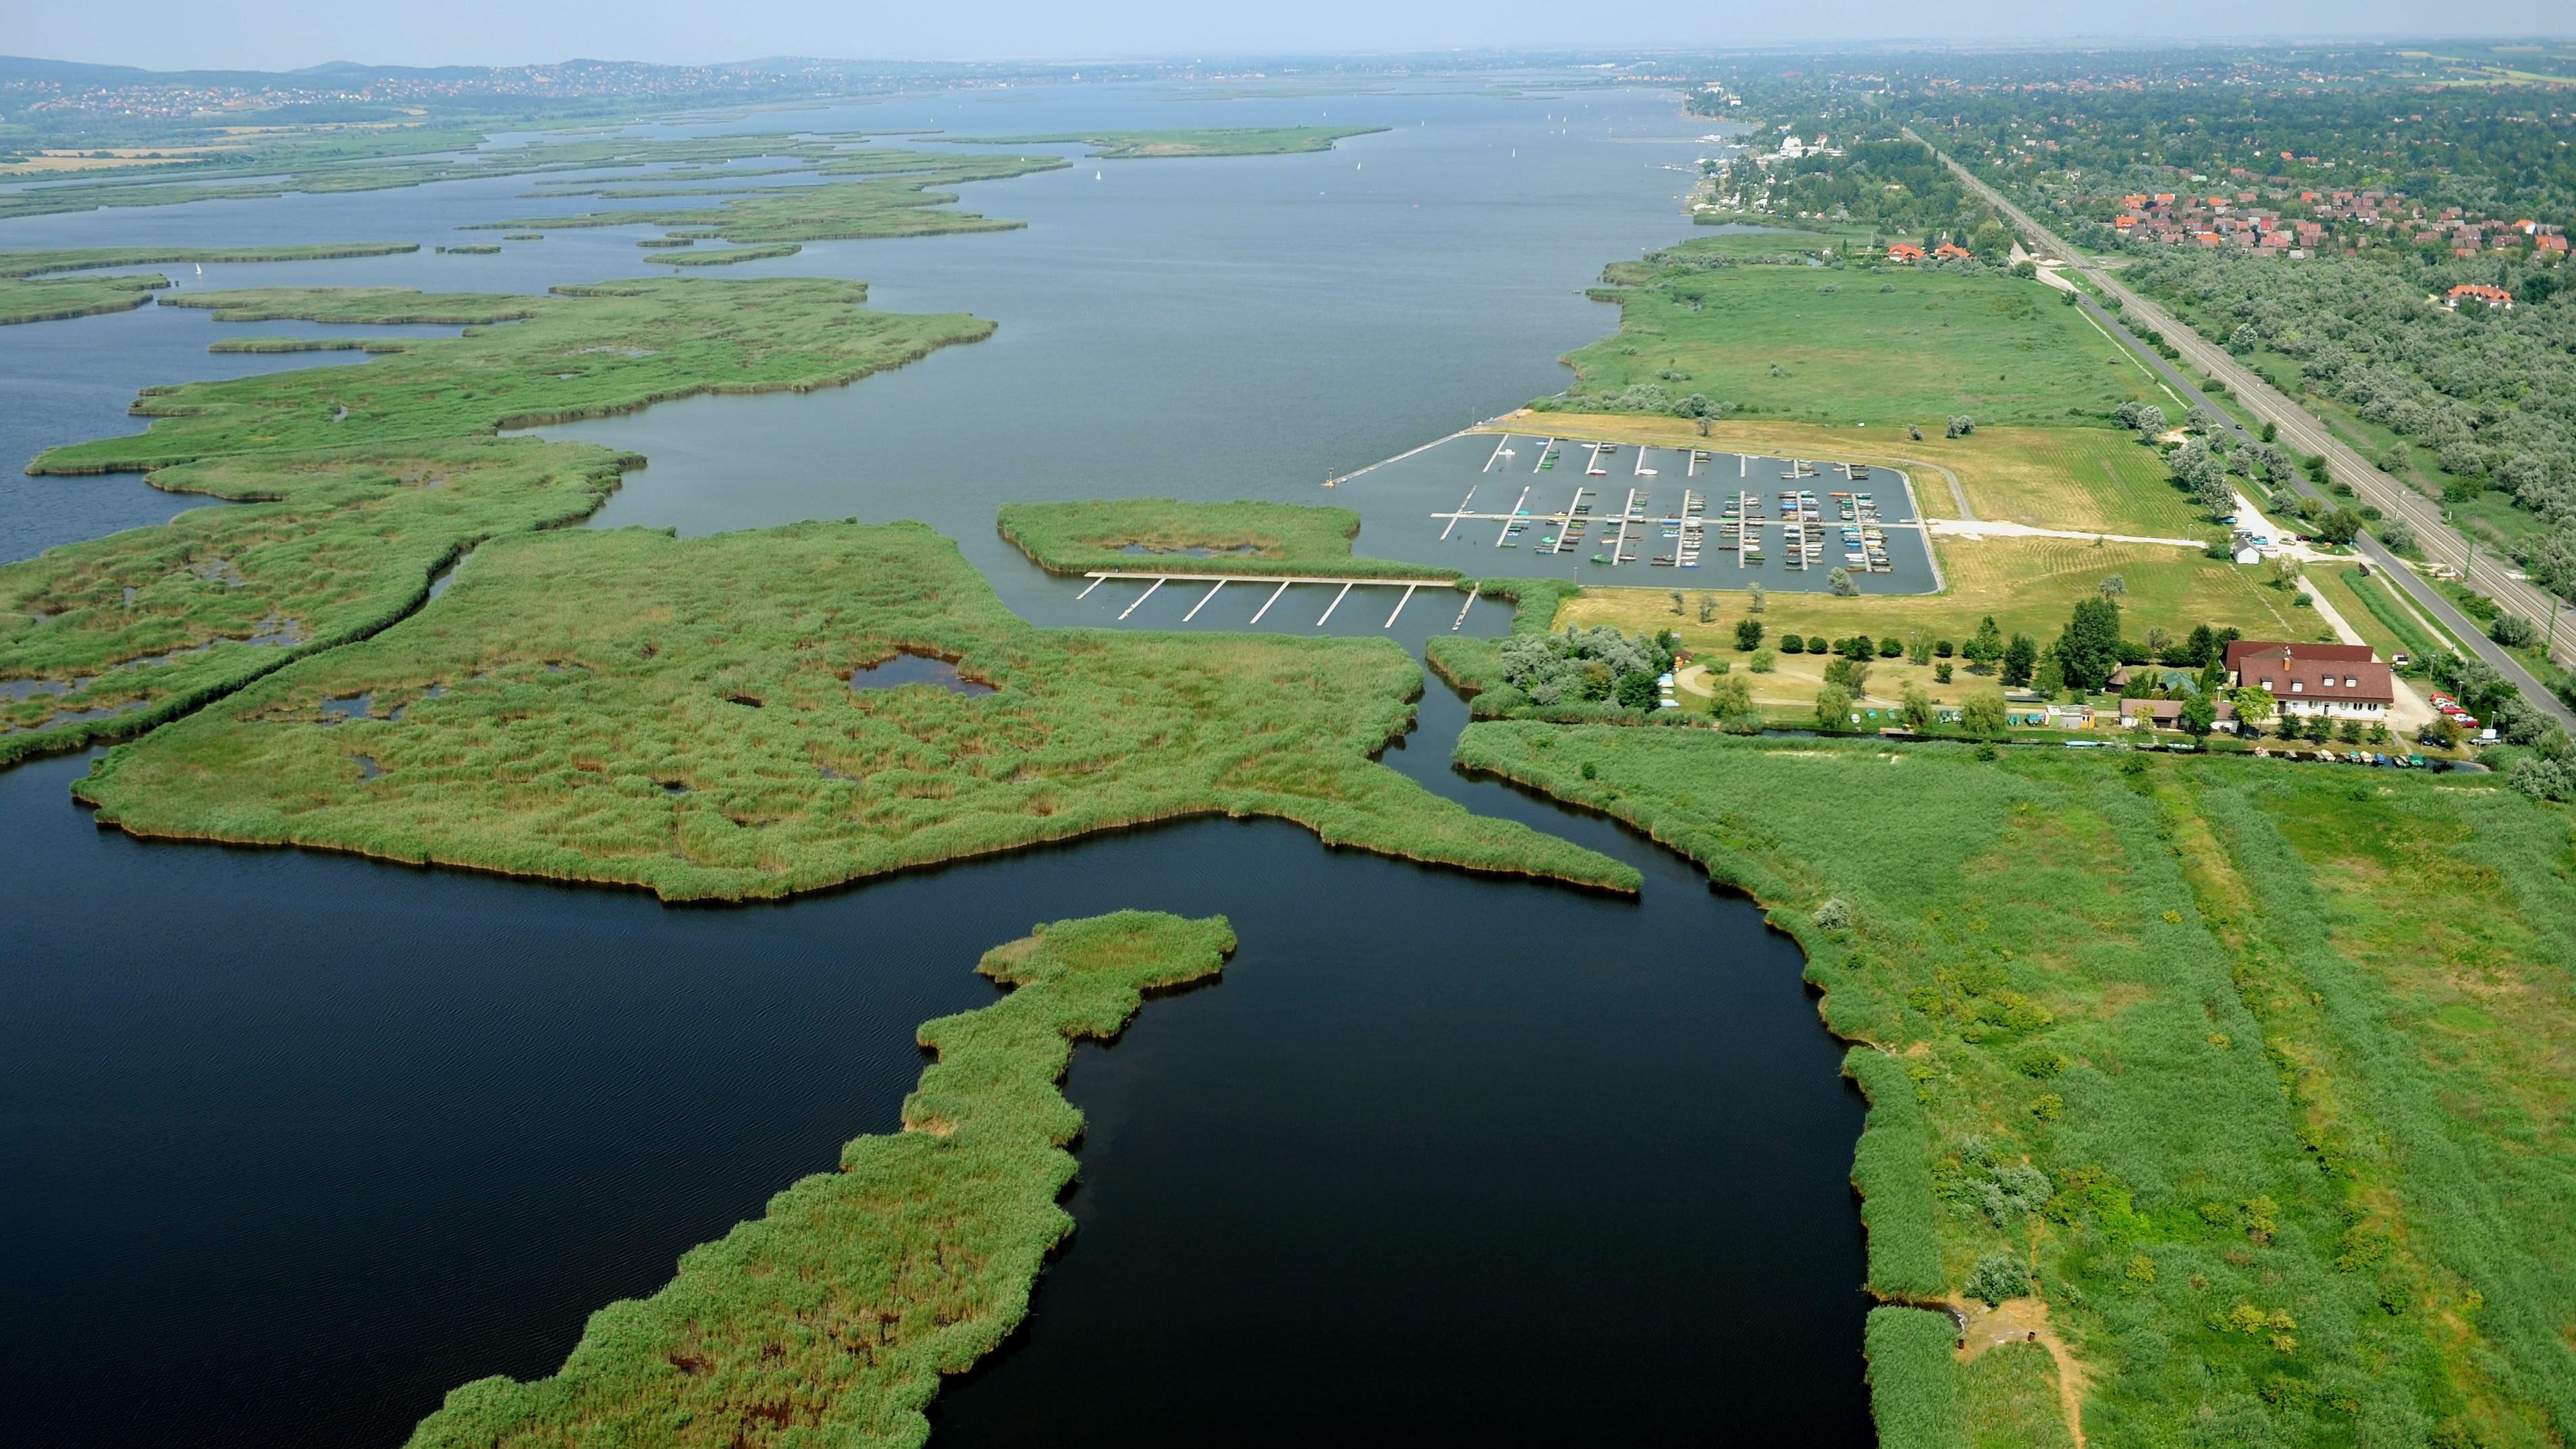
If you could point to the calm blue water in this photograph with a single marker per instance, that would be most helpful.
(293, 1143)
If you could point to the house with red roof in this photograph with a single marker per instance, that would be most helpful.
(1902, 252)
(1948, 250)
(2345, 681)
(2479, 292)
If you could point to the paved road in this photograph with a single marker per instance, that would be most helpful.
(2300, 429)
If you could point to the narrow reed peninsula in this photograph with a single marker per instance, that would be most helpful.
(2245, 1086)
(1180, 142)
(836, 1314)
(698, 717)
(34, 286)
(1207, 538)
(895, 194)
(358, 484)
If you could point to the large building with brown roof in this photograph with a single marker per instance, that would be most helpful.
(2343, 680)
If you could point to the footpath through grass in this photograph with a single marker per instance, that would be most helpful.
(359, 483)
(1205, 538)
(831, 1319)
(692, 716)
(2261, 1077)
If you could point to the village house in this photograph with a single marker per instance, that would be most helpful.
(2479, 292)
(2166, 714)
(2345, 681)
(1902, 252)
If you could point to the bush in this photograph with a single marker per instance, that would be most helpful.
(1761, 662)
(1833, 914)
(1748, 635)
(1996, 1277)
(1891, 647)
(1792, 644)
(2512, 631)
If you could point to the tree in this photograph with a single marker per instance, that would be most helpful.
(2150, 421)
(1754, 599)
(2020, 657)
(2116, 587)
(1708, 608)
(1962, 426)
(1677, 602)
(1699, 409)
(1636, 690)
(1985, 649)
(1833, 708)
(1983, 713)
(1748, 635)
(1840, 581)
(1731, 701)
(1915, 708)
(1918, 648)
(2089, 649)
(2201, 648)
(2254, 706)
(2199, 716)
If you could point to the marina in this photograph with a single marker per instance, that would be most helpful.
(1613, 524)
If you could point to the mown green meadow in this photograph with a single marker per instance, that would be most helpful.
(1892, 346)
(2258, 1076)
(358, 484)
(836, 1314)
(625, 707)
(1207, 538)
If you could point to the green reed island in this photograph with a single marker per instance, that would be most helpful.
(838, 1312)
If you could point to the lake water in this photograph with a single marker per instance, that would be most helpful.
(293, 1142)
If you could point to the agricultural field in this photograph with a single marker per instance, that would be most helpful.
(33, 287)
(1242, 537)
(695, 717)
(1188, 141)
(838, 1313)
(1890, 346)
(2249, 1084)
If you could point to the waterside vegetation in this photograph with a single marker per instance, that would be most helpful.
(624, 707)
(836, 1314)
(1240, 537)
(2251, 1082)
(358, 484)
(1187, 141)
(35, 287)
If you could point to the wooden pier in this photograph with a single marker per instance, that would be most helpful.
(1154, 582)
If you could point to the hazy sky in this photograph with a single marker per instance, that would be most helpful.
(281, 34)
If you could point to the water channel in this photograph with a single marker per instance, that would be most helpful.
(292, 1142)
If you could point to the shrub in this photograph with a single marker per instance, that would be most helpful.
(1891, 647)
(1792, 644)
(1761, 662)
(1748, 635)
(1996, 1277)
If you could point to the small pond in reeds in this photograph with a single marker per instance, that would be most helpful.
(906, 667)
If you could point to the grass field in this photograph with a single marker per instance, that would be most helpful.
(1188, 141)
(2388, 625)
(833, 1318)
(2029, 586)
(356, 490)
(625, 707)
(1841, 346)
(1214, 538)
(32, 289)
(2266, 1072)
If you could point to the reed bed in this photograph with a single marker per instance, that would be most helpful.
(630, 708)
(32, 289)
(1200, 538)
(358, 484)
(832, 1318)
(2262, 1068)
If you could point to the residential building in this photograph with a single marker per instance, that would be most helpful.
(2345, 681)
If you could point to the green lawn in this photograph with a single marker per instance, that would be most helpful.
(2268, 1069)
(630, 708)
(837, 1314)
(1903, 345)
(1214, 538)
